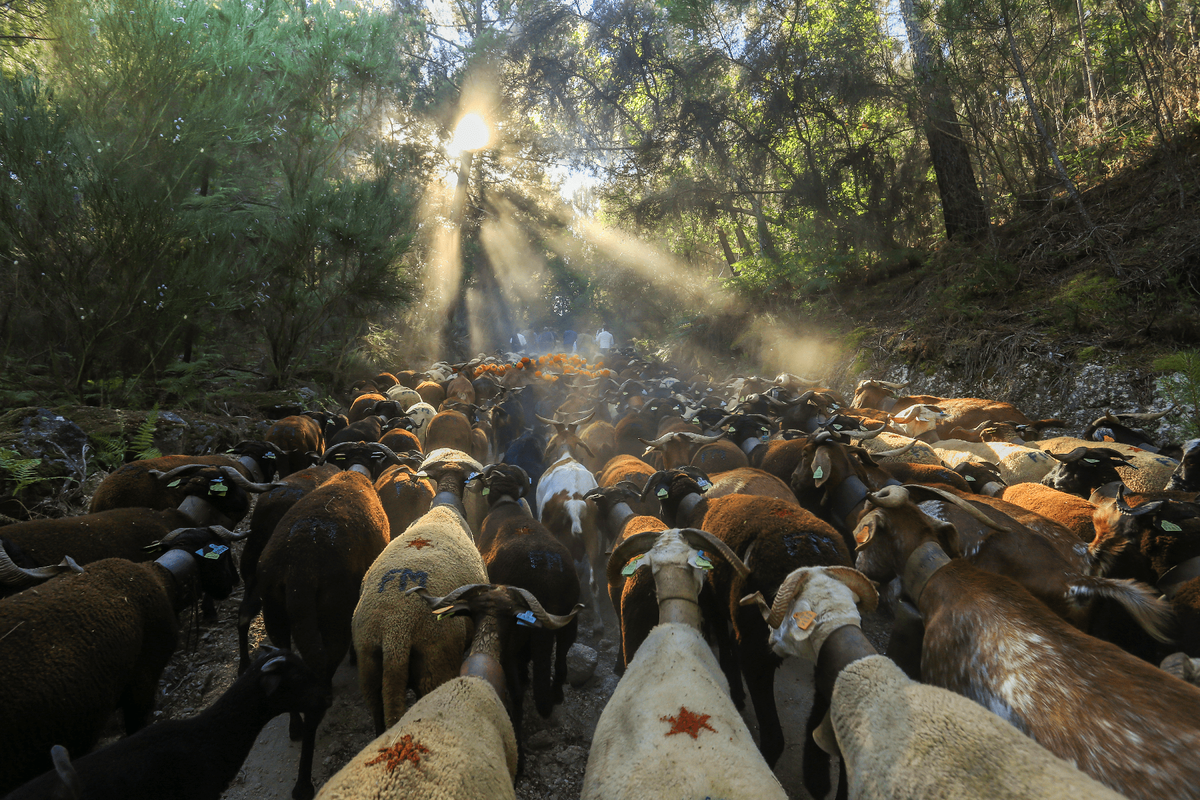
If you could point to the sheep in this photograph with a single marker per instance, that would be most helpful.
(1072, 512)
(135, 486)
(1017, 463)
(624, 467)
(145, 766)
(363, 406)
(1120, 720)
(928, 474)
(421, 414)
(773, 537)
(958, 411)
(983, 477)
(308, 581)
(404, 496)
(890, 447)
(403, 395)
(399, 645)
(899, 738)
(397, 436)
(1142, 471)
(297, 437)
(458, 740)
(81, 645)
(562, 509)
(268, 511)
(519, 551)
(671, 729)
(431, 393)
(448, 429)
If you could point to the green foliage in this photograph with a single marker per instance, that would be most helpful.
(21, 471)
(1182, 385)
(113, 451)
(1090, 300)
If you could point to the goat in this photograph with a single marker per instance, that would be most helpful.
(897, 737)
(299, 438)
(1120, 720)
(145, 766)
(563, 510)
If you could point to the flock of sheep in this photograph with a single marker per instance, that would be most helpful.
(449, 529)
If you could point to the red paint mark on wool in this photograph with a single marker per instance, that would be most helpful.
(783, 512)
(404, 750)
(687, 722)
(419, 543)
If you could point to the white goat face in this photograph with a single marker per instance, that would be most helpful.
(671, 549)
(823, 600)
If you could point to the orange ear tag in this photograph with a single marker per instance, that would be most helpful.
(804, 619)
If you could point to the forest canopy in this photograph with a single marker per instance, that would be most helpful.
(267, 188)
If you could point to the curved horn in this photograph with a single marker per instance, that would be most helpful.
(244, 482)
(587, 419)
(1067, 458)
(890, 385)
(656, 443)
(697, 537)
(180, 470)
(865, 434)
(387, 451)
(958, 501)
(889, 497)
(454, 596)
(337, 447)
(792, 586)
(1148, 416)
(697, 438)
(553, 422)
(226, 534)
(899, 451)
(549, 621)
(1141, 510)
(19, 577)
(635, 545)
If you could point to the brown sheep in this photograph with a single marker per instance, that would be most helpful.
(364, 406)
(1072, 512)
(296, 436)
(431, 393)
(449, 429)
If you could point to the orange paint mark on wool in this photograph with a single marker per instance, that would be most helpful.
(404, 750)
(419, 543)
(783, 512)
(687, 722)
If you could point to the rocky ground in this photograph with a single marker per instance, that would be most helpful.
(556, 748)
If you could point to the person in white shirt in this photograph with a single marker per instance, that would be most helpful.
(604, 341)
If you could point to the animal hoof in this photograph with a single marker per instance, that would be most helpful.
(303, 790)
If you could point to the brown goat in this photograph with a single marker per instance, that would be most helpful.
(431, 393)
(296, 436)
(364, 406)
(1127, 724)
(1072, 512)
(449, 429)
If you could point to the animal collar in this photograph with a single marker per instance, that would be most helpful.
(686, 506)
(922, 563)
(181, 567)
(448, 499)
(1174, 578)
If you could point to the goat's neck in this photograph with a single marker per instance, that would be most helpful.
(256, 473)
(180, 578)
(924, 560)
(449, 492)
(676, 590)
(617, 516)
(842, 648)
(200, 513)
(691, 507)
(483, 660)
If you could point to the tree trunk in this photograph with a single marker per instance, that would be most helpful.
(1087, 59)
(962, 204)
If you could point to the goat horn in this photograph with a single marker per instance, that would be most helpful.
(958, 501)
(387, 451)
(708, 540)
(549, 621)
(1149, 416)
(548, 421)
(20, 577)
(891, 385)
(1068, 458)
(244, 482)
(889, 497)
(180, 470)
(335, 448)
(228, 535)
(899, 451)
(866, 434)
(587, 419)
(793, 585)
(454, 596)
(635, 545)
(1142, 509)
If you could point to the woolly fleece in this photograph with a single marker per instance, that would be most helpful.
(903, 739)
(470, 752)
(1152, 471)
(634, 757)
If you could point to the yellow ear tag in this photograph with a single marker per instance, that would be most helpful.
(818, 473)
(804, 619)
(486, 491)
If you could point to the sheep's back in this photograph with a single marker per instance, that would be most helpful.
(634, 752)
(1152, 470)
(454, 743)
(72, 647)
(921, 453)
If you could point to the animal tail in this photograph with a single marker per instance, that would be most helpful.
(575, 510)
(1152, 614)
(303, 612)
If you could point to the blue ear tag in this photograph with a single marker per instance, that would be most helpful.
(632, 566)
(215, 551)
(268, 454)
(174, 483)
(700, 561)
(527, 618)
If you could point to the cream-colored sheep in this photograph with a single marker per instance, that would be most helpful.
(1017, 463)
(1152, 470)
(921, 453)
(903, 739)
(421, 414)
(455, 743)
(670, 729)
(392, 629)
(404, 396)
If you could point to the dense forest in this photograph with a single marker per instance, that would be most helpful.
(196, 195)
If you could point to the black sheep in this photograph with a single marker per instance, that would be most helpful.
(146, 765)
(520, 551)
(80, 646)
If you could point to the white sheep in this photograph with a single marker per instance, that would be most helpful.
(900, 738)
(1017, 463)
(421, 414)
(670, 729)
(1149, 472)
(405, 397)
(921, 453)
(390, 628)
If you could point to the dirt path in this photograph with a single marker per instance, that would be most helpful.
(557, 748)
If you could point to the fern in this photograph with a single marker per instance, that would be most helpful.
(142, 443)
(23, 471)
